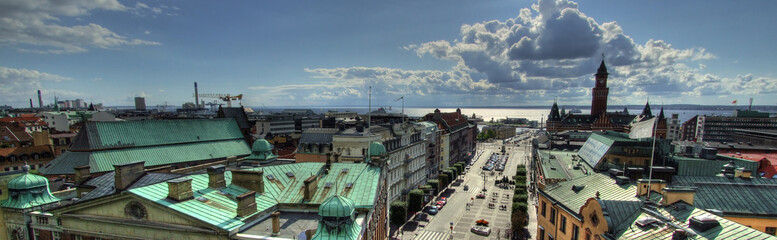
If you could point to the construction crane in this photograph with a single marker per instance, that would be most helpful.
(224, 97)
(403, 103)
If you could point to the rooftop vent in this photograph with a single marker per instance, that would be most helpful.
(646, 222)
(703, 223)
(620, 180)
(576, 188)
(679, 234)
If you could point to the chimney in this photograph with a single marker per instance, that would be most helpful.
(216, 176)
(311, 184)
(276, 223)
(743, 173)
(251, 180)
(31, 106)
(246, 204)
(127, 174)
(676, 194)
(40, 100)
(196, 97)
(82, 174)
(655, 185)
(180, 189)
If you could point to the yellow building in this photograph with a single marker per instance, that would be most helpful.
(601, 207)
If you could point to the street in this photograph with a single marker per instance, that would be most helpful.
(455, 212)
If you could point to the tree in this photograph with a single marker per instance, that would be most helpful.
(443, 180)
(520, 216)
(398, 211)
(415, 200)
(435, 183)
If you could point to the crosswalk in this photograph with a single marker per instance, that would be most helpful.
(432, 235)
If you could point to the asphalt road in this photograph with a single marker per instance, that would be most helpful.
(455, 212)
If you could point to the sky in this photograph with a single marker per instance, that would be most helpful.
(433, 53)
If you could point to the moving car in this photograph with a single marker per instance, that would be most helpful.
(481, 230)
(466, 188)
(481, 196)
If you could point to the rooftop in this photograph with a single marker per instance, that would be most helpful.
(677, 216)
(282, 186)
(562, 165)
(733, 196)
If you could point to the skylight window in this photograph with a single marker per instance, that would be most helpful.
(349, 185)
(345, 170)
(328, 185)
(270, 177)
(290, 174)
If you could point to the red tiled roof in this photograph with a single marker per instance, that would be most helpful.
(769, 172)
(752, 155)
(6, 151)
(20, 119)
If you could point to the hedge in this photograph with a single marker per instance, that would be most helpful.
(398, 211)
(520, 198)
(415, 200)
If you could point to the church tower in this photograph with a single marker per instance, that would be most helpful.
(600, 92)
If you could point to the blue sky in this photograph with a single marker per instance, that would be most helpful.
(435, 53)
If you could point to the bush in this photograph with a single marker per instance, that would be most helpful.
(520, 172)
(415, 200)
(435, 183)
(520, 190)
(520, 198)
(398, 211)
(520, 216)
(444, 180)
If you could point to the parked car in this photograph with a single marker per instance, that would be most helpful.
(440, 205)
(433, 210)
(466, 188)
(481, 230)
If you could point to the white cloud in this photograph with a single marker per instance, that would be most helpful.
(34, 26)
(551, 50)
(19, 85)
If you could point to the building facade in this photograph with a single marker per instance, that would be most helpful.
(723, 128)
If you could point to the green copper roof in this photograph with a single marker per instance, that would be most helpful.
(703, 167)
(100, 135)
(28, 191)
(377, 149)
(608, 191)
(347, 232)
(680, 215)
(158, 142)
(27, 181)
(261, 150)
(282, 184)
(336, 206)
(261, 145)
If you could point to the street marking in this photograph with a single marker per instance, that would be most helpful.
(432, 235)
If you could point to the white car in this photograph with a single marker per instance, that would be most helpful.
(481, 230)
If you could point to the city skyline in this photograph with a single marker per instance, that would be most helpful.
(498, 53)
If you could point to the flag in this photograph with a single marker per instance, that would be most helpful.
(734, 102)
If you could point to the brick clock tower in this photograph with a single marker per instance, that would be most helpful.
(600, 91)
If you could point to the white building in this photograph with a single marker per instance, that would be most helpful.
(673, 130)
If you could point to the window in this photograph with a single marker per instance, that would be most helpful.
(544, 205)
(36, 233)
(575, 232)
(55, 236)
(771, 230)
(42, 220)
(541, 236)
(552, 215)
(562, 226)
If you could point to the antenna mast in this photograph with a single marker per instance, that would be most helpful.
(369, 109)
(652, 156)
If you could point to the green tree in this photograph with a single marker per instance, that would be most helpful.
(415, 200)
(444, 180)
(520, 198)
(435, 183)
(519, 217)
(398, 211)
